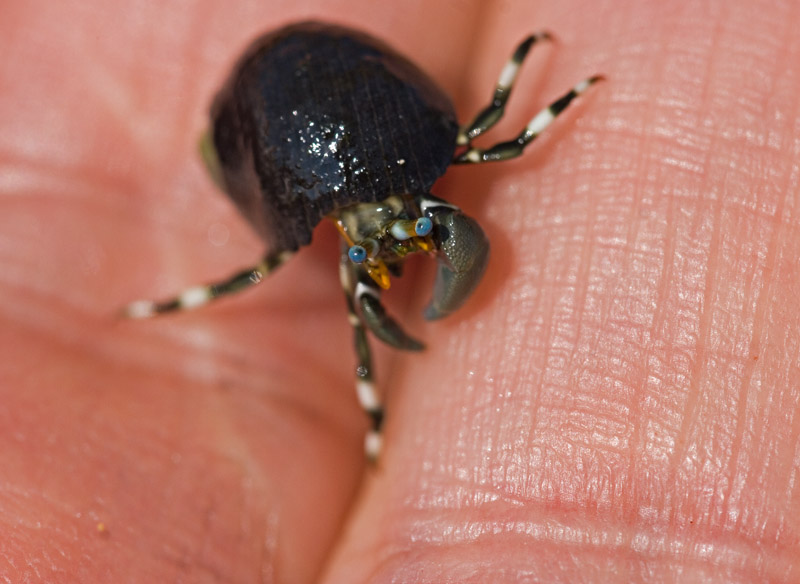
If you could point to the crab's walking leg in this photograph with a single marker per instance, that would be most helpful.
(492, 113)
(203, 294)
(367, 394)
(513, 148)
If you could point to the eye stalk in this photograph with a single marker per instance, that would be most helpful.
(404, 229)
(390, 243)
(423, 226)
(357, 254)
(364, 250)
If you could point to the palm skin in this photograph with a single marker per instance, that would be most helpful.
(618, 402)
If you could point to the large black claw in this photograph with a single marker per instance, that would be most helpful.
(463, 252)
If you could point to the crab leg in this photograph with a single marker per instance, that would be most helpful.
(515, 147)
(367, 394)
(205, 293)
(492, 113)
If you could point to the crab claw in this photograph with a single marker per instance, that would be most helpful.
(463, 252)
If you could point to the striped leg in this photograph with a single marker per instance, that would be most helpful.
(365, 388)
(492, 113)
(200, 295)
(513, 148)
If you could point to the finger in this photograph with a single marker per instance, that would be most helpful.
(618, 407)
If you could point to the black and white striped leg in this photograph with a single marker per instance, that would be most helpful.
(515, 147)
(203, 294)
(367, 394)
(374, 315)
(492, 113)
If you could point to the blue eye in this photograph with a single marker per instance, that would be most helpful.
(357, 254)
(423, 226)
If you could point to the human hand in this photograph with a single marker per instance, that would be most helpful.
(618, 402)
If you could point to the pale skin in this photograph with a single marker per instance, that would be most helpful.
(617, 403)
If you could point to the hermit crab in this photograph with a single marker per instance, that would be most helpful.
(322, 122)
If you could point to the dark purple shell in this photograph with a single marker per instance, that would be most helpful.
(316, 117)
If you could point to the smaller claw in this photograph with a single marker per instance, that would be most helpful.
(381, 324)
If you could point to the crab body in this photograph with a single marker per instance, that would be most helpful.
(315, 118)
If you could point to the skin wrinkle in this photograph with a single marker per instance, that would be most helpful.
(749, 374)
(689, 401)
(685, 449)
(734, 483)
(560, 530)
